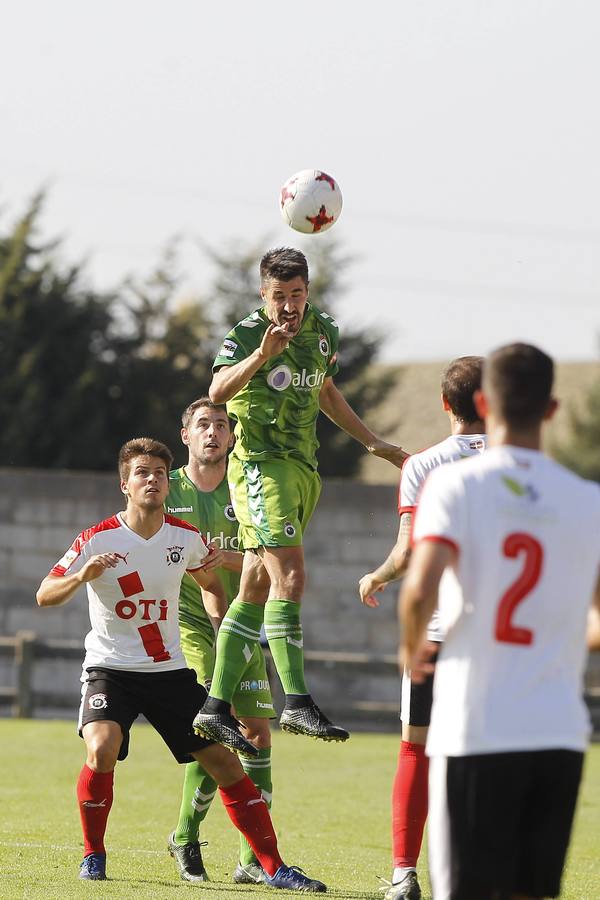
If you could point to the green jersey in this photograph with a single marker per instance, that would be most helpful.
(212, 513)
(276, 412)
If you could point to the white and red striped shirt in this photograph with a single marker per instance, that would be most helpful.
(134, 606)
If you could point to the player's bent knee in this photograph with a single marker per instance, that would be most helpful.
(102, 742)
(221, 764)
(257, 731)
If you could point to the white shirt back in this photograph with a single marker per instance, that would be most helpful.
(414, 474)
(510, 673)
(134, 606)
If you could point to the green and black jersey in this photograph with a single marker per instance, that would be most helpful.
(212, 513)
(276, 412)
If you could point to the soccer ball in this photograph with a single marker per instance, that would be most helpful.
(310, 201)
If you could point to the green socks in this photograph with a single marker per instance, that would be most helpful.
(238, 634)
(284, 634)
(198, 792)
(259, 771)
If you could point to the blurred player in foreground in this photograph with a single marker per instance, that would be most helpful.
(518, 535)
(198, 493)
(275, 371)
(132, 565)
(409, 793)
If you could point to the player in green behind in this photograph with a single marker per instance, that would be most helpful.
(198, 493)
(275, 371)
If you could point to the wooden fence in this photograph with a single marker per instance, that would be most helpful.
(341, 669)
(27, 649)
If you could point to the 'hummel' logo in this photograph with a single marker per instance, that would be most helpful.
(90, 804)
(299, 644)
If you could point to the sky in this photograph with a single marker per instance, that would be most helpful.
(465, 137)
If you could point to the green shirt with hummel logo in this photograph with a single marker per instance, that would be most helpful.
(276, 412)
(212, 513)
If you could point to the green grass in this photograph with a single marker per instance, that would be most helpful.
(331, 812)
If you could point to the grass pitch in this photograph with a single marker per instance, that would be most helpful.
(331, 810)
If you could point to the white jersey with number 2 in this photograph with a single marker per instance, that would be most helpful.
(134, 606)
(527, 538)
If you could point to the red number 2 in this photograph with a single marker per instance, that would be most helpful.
(514, 545)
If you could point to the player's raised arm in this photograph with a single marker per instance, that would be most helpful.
(56, 589)
(336, 407)
(392, 568)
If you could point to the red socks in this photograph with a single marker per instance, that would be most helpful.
(409, 804)
(250, 815)
(95, 796)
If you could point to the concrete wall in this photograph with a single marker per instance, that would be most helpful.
(352, 530)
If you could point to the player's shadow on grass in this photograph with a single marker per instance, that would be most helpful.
(225, 889)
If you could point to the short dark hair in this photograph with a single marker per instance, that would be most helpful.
(143, 446)
(284, 263)
(459, 382)
(187, 414)
(519, 377)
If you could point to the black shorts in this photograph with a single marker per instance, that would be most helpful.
(169, 700)
(416, 699)
(500, 823)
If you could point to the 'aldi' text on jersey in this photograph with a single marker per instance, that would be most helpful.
(212, 514)
(134, 606)
(510, 673)
(276, 412)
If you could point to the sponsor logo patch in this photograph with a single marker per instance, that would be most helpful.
(98, 701)
(228, 349)
(257, 684)
(279, 378)
(68, 558)
(229, 513)
(520, 490)
(323, 345)
(174, 555)
(289, 530)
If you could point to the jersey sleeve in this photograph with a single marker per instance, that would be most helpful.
(411, 482)
(74, 559)
(441, 515)
(237, 345)
(198, 552)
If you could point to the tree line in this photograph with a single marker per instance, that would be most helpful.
(82, 371)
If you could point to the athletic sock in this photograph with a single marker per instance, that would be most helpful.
(238, 634)
(259, 770)
(197, 795)
(284, 634)
(95, 796)
(248, 812)
(409, 804)
(399, 873)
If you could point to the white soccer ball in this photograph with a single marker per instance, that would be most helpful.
(310, 201)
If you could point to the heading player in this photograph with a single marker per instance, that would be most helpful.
(517, 534)
(409, 793)
(275, 371)
(132, 565)
(198, 493)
